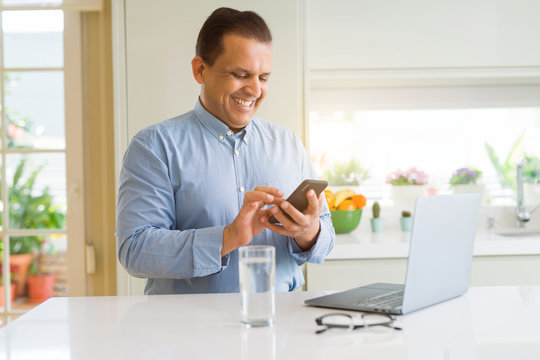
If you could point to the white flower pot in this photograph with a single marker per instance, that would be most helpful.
(471, 189)
(404, 196)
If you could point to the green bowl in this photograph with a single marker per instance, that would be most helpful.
(345, 221)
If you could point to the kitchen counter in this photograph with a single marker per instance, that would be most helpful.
(486, 323)
(362, 257)
(395, 244)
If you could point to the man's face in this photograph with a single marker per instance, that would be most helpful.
(235, 86)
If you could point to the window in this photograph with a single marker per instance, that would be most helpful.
(38, 96)
(422, 119)
(437, 141)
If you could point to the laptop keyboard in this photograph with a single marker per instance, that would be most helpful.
(388, 300)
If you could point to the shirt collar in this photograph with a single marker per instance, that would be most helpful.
(216, 126)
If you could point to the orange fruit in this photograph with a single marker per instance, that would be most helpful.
(330, 198)
(347, 205)
(359, 201)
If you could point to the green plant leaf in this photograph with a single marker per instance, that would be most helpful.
(495, 161)
(18, 173)
(29, 211)
(506, 172)
(513, 155)
(346, 173)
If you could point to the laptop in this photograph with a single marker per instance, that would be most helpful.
(439, 264)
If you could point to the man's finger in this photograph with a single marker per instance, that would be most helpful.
(294, 213)
(252, 196)
(270, 190)
(250, 208)
(313, 202)
(277, 229)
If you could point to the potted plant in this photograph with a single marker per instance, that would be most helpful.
(406, 221)
(465, 180)
(11, 283)
(377, 223)
(40, 281)
(506, 171)
(407, 186)
(346, 174)
(29, 210)
(531, 180)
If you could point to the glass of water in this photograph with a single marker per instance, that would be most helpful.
(256, 269)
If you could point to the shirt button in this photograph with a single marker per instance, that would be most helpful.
(220, 137)
(229, 133)
(242, 189)
(236, 152)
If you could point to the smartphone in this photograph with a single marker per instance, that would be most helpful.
(298, 198)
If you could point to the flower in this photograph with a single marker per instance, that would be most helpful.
(465, 176)
(413, 176)
(15, 132)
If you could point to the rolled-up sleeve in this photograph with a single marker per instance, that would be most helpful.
(323, 244)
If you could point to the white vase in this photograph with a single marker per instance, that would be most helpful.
(404, 196)
(471, 189)
(531, 194)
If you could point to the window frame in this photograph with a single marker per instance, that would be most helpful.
(75, 229)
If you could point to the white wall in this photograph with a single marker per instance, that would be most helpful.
(160, 43)
(367, 34)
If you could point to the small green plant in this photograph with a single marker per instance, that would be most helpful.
(346, 173)
(506, 172)
(465, 176)
(531, 170)
(30, 211)
(406, 213)
(11, 274)
(37, 267)
(376, 208)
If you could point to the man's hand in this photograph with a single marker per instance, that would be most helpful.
(304, 227)
(248, 222)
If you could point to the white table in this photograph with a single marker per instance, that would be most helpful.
(486, 323)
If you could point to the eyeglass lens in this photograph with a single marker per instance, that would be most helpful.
(348, 322)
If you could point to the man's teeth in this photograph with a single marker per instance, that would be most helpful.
(242, 101)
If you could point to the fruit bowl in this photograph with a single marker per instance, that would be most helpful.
(345, 221)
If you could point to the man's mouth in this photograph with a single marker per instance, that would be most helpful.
(242, 102)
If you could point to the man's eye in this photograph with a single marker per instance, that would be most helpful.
(240, 76)
(263, 78)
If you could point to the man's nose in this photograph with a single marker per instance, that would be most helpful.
(254, 87)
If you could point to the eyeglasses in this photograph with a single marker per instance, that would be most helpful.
(350, 322)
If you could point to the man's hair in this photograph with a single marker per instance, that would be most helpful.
(224, 21)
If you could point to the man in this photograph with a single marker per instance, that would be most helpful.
(184, 205)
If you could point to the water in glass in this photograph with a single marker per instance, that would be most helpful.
(257, 274)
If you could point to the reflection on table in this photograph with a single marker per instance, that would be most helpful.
(486, 323)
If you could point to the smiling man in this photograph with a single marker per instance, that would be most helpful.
(234, 85)
(196, 187)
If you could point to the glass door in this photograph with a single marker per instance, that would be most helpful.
(36, 124)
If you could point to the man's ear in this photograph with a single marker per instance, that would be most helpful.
(198, 66)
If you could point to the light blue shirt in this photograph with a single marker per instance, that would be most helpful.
(183, 180)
